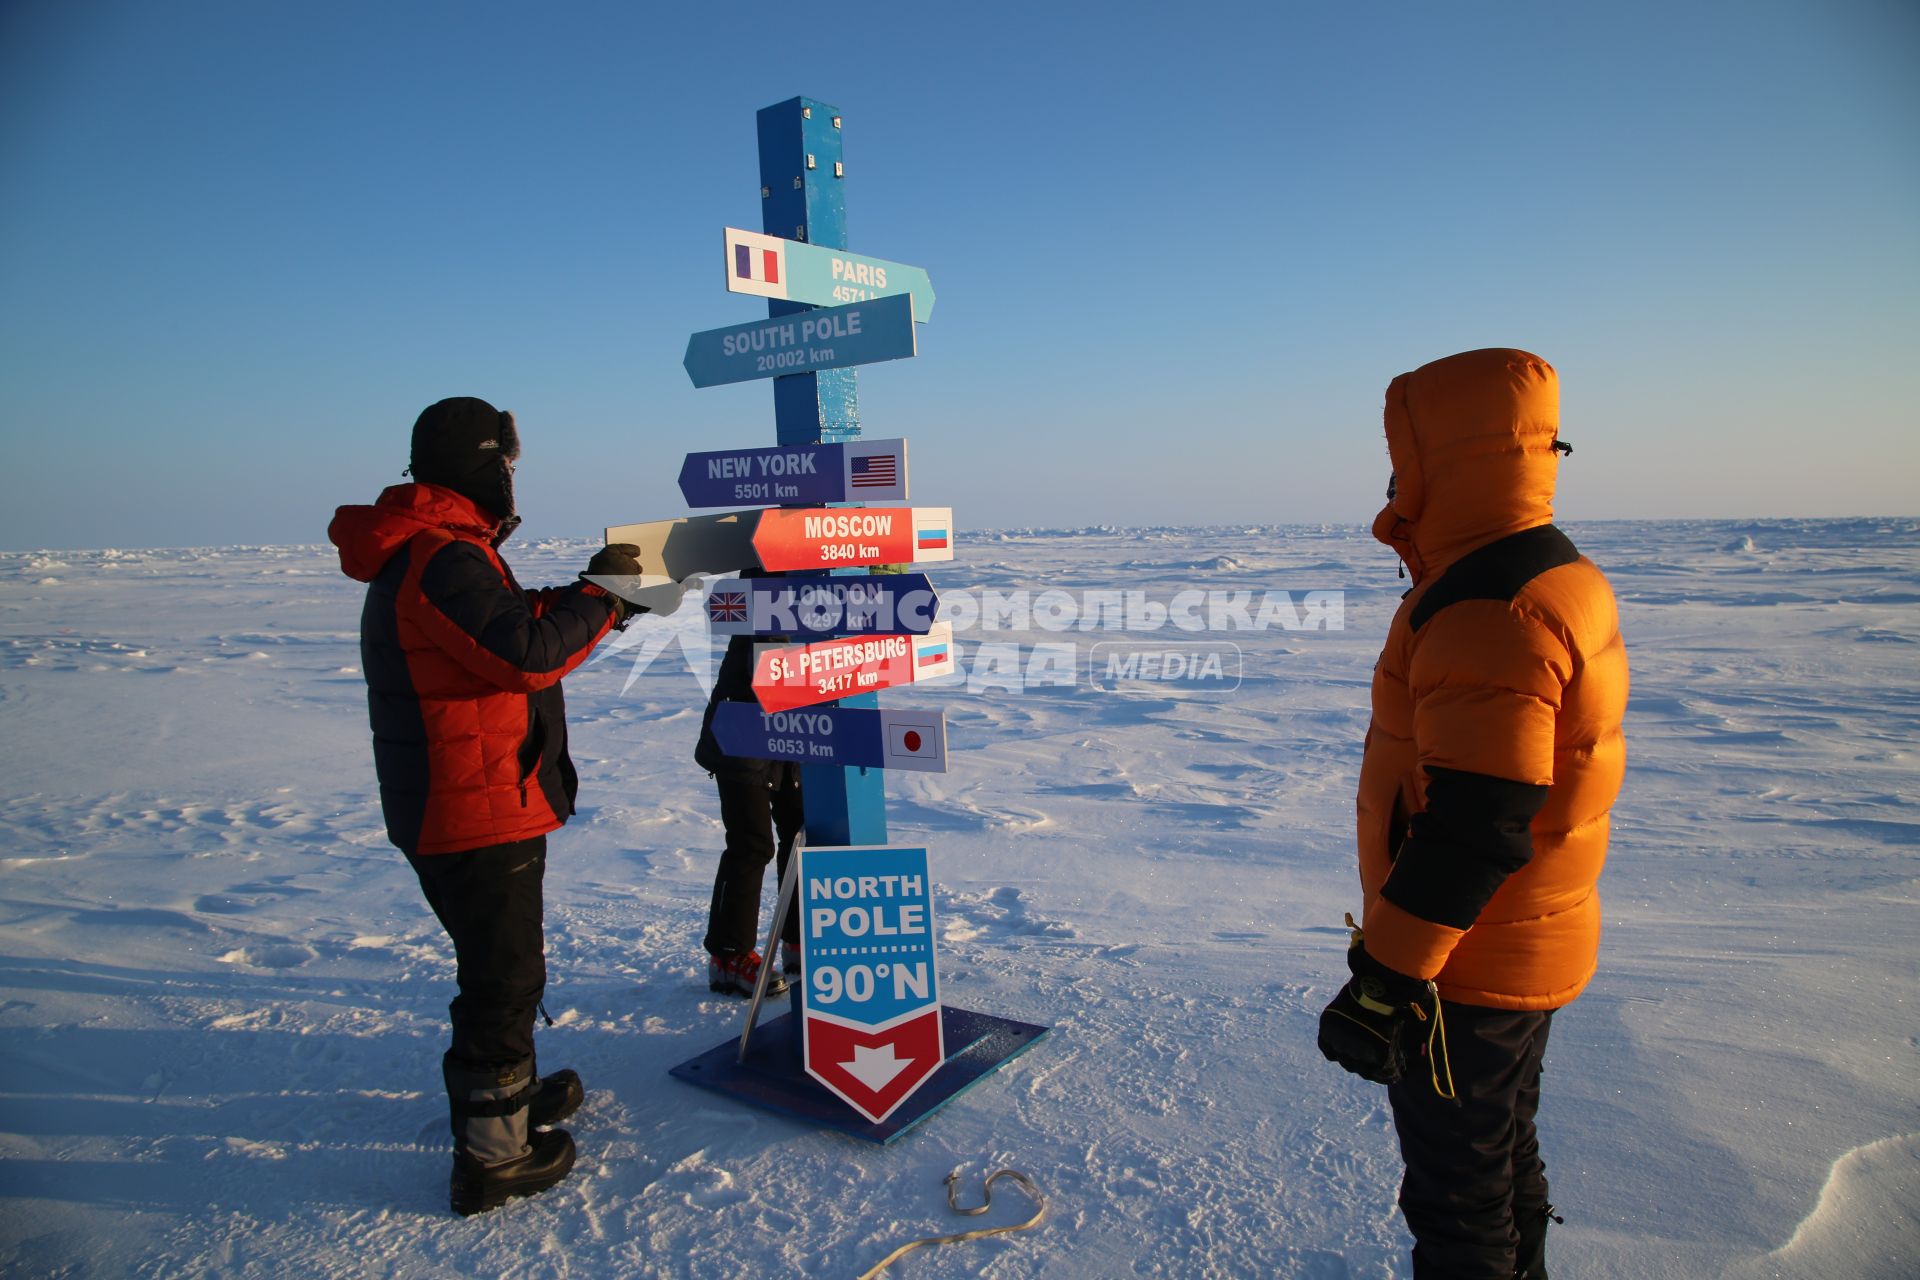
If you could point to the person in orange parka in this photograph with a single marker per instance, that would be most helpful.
(1493, 757)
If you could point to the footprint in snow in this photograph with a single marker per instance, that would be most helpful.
(269, 956)
(1002, 913)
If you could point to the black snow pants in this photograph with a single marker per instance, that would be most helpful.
(1473, 1165)
(753, 813)
(489, 901)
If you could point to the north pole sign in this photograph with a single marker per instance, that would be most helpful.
(843, 538)
(873, 1028)
(786, 677)
(868, 1023)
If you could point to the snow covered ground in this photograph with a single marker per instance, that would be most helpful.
(222, 1001)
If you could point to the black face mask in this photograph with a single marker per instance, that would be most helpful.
(493, 489)
(500, 501)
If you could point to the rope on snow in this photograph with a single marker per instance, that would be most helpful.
(953, 1182)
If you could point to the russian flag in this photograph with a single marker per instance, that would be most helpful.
(929, 539)
(933, 655)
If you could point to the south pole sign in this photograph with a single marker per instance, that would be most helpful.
(788, 677)
(794, 271)
(872, 1028)
(813, 474)
(825, 338)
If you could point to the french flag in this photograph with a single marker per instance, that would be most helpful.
(749, 263)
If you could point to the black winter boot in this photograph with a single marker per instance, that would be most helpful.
(493, 1160)
(1530, 1257)
(555, 1097)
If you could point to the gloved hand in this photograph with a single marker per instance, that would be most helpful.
(1378, 1020)
(617, 560)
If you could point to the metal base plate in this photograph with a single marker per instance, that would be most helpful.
(772, 1076)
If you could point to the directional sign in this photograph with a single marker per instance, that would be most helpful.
(769, 267)
(814, 474)
(678, 549)
(848, 537)
(873, 1026)
(802, 675)
(853, 737)
(816, 606)
(825, 338)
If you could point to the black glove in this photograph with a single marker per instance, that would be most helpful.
(1379, 1020)
(617, 560)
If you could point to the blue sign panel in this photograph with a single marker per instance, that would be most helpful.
(852, 737)
(866, 933)
(816, 606)
(795, 271)
(803, 474)
(824, 338)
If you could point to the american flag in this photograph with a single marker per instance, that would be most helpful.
(727, 606)
(874, 471)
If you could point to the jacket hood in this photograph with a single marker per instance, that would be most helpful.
(1471, 438)
(368, 537)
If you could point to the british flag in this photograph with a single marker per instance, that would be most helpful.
(727, 606)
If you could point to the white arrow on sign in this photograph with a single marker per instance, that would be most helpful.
(875, 1067)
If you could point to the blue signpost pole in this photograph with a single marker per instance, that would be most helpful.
(803, 196)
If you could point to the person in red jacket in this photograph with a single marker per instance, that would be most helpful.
(1492, 759)
(463, 673)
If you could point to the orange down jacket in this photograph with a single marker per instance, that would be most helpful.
(1495, 750)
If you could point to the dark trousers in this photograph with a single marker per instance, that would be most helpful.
(1473, 1165)
(752, 813)
(488, 900)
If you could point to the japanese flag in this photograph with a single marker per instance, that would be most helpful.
(913, 741)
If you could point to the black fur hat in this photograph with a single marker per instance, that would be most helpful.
(466, 445)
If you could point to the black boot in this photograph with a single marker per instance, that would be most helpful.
(555, 1097)
(493, 1159)
(1530, 1257)
(476, 1188)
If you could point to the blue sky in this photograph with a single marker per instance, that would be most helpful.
(1179, 249)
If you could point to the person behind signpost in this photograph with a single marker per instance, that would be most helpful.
(1493, 757)
(463, 674)
(762, 814)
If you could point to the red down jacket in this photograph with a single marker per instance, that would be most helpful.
(463, 672)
